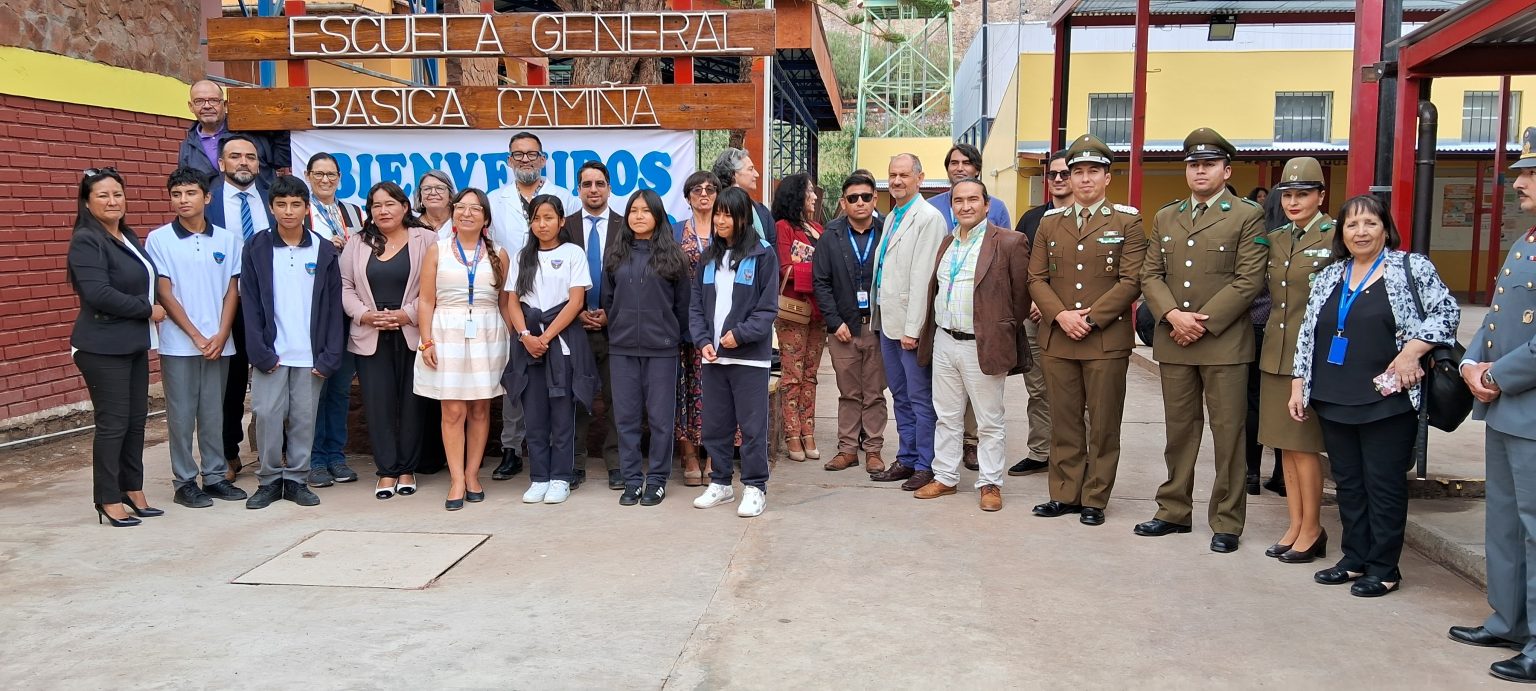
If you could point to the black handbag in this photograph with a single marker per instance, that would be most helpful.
(1447, 400)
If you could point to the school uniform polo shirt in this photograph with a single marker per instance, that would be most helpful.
(293, 298)
(199, 267)
(558, 271)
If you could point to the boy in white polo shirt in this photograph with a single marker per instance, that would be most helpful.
(290, 297)
(199, 264)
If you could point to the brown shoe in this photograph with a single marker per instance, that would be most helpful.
(895, 472)
(842, 461)
(991, 498)
(918, 480)
(872, 462)
(969, 458)
(933, 490)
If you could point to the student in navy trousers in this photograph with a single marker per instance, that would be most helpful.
(552, 368)
(646, 293)
(735, 300)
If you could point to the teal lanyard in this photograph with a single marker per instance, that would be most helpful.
(885, 243)
(957, 262)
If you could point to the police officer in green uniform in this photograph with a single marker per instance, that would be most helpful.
(1203, 269)
(1297, 250)
(1084, 274)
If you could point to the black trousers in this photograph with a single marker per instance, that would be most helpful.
(234, 390)
(1255, 449)
(394, 413)
(119, 388)
(1370, 464)
(736, 396)
(551, 424)
(644, 390)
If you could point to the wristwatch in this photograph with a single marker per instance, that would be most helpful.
(1091, 325)
(523, 333)
(1488, 378)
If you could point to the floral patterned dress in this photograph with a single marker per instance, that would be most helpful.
(690, 398)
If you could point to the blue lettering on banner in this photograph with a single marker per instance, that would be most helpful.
(622, 170)
(654, 171)
(391, 167)
(364, 176)
(460, 168)
(347, 185)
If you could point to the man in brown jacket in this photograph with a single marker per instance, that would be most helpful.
(1084, 273)
(1202, 272)
(974, 338)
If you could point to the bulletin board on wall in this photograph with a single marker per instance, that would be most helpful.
(1456, 201)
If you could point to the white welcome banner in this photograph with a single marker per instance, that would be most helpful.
(637, 159)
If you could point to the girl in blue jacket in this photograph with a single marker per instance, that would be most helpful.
(645, 294)
(735, 300)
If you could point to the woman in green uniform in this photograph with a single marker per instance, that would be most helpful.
(1297, 250)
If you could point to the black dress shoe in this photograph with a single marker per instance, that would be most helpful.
(224, 489)
(265, 495)
(1318, 550)
(969, 457)
(145, 511)
(1091, 516)
(192, 497)
(474, 497)
(1053, 508)
(1372, 586)
(630, 497)
(1521, 668)
(615, 479)
(1158, 527)
(894, 472)
(1223, 543)
(1480, 637)
(1253, 484)
(578, 477)
(510, 465)
(1028, 466)
(1276, 484)
(1274, 551)
(1335, 576)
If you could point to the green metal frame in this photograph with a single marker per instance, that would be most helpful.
(906, 84)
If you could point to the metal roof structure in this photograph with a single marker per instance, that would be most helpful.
(1480, 37)
(1165, 12)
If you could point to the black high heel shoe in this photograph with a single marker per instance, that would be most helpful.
(146, 512)
(1318, 550)
(1276, 550)
(116, 522)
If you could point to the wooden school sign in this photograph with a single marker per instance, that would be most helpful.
(526, 35)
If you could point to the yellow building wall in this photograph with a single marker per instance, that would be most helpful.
(50, 77)
(874, 154)
(1001, 169)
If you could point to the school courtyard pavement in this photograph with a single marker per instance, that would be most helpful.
(841, 583)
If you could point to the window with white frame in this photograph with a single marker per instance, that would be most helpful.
(1109, 117)
(1303, 116)
(1480, 116)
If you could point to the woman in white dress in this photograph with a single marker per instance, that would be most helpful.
(464, 340)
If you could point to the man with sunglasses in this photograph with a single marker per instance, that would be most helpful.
(843, 267)
(509, 230)
(200, 147)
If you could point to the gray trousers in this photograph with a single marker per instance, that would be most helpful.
(288, 397)
(194, 403)
(513, 430)
(1511, 527)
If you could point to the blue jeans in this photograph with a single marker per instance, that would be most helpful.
(912, 392)
(331, 420)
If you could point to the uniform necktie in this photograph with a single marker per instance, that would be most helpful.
(594, 262)
(1298, 231)
(247, 224)
(1082, 218)
(1200, 210)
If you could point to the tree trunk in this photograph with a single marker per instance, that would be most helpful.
(469, 71)
(621, 70)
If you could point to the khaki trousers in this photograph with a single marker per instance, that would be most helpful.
(1084, 457)
(1224, 390)
(1039, 406)
(860, 373)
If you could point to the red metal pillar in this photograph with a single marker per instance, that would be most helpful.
(1364, 99)
(1500, 164)
(1403, 154)
(682, 68)
(1473, 292)
(1139, 99)
(298, 70)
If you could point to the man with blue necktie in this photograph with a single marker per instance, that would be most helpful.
(238, 201)
(594, 227)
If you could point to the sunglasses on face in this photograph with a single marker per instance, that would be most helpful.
(857, 197)
(702, 189)
(1058, 174)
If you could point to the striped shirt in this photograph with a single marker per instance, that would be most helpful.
(954, 307)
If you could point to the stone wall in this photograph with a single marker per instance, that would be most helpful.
(157, 36)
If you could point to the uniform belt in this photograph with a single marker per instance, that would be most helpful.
(864, 319)
(960, 335)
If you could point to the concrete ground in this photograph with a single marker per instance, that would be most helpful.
(842, 583)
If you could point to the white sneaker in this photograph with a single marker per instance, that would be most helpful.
(535, 493)
(752, 502)
(715, 495)
(559, 491)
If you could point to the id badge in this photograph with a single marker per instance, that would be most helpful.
(863, 296)
(469, 327)
(1336, 350)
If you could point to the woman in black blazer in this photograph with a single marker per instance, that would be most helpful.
(113, 334)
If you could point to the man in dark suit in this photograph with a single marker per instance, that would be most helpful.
(595, 228)
(238, 201)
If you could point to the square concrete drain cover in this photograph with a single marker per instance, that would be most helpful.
(355, 559)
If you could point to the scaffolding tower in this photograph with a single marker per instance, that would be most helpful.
(906, 67)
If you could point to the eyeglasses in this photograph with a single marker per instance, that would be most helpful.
(593, 184)
(1058, 174)
(857, 197)
(526, 155)
(461, 206)
(200, 102)
(325, 176)
(92, 172)
(434, 189)
(703, 189)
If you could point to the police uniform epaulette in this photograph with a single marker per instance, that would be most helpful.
(1252, 203)
(1169, 204)
(1122, 208)
(1056, 210)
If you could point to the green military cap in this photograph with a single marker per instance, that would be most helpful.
(1089, 149)
(1206, 143)
(1301, 173)
(1527, 150)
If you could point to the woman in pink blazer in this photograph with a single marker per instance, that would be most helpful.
(380, 281)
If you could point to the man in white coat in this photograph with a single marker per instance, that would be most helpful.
(904, 263)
